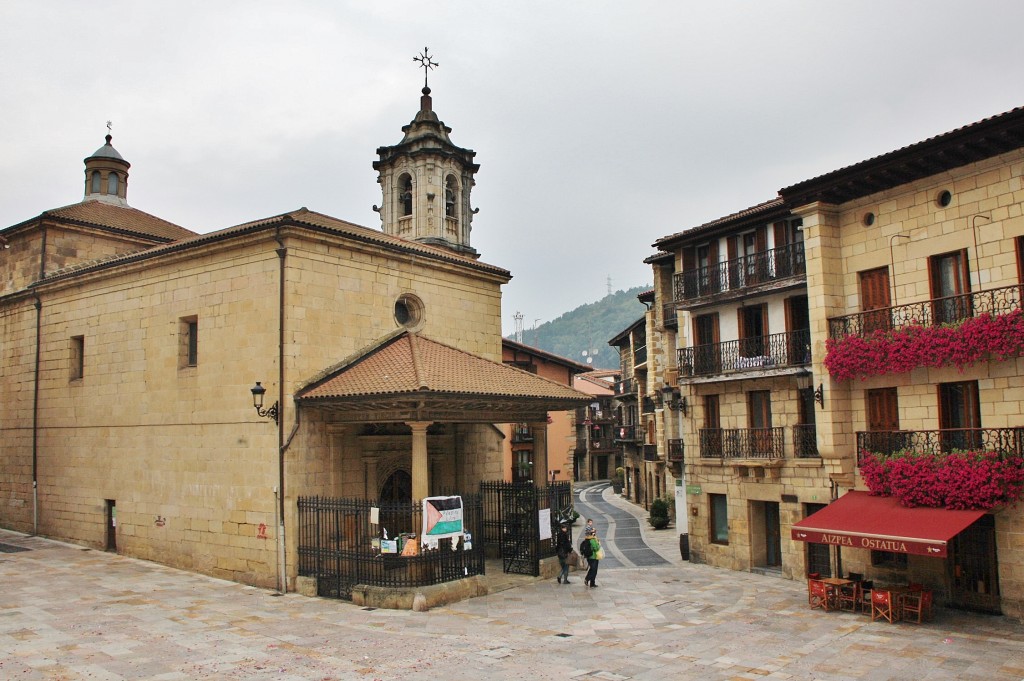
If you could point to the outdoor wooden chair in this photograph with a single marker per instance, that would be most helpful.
(883, 605)
(817, 594)
(849, 596)
(917, 605)
(865, 596)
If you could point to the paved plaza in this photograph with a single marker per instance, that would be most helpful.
(72, 613)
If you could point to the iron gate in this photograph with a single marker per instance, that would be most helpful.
(512, 521)
(337, 545)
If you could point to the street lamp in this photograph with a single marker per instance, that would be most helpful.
(258, 391)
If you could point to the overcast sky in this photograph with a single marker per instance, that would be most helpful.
(599, 126)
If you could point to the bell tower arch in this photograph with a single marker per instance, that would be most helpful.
(426, 181)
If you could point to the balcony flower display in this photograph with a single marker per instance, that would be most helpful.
(894, 351)
(960, 480)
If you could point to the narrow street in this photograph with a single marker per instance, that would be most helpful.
(617, 528)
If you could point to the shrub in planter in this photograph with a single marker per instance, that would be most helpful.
(659, 514)
(618, 479)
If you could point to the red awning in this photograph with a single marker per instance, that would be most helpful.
(861, 521)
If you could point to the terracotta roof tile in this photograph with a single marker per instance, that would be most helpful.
(409, 363)
(122, 218)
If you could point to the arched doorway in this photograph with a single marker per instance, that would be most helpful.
(398, 487)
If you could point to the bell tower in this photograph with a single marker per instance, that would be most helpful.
(426, 180)
(106, 175)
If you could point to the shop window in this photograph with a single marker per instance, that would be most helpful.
(888, 559)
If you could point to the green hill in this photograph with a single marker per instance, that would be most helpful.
(589, 327)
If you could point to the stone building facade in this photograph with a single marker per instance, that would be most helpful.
(131, 345)
(928, 236)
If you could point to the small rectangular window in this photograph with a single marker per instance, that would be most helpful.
(719, 518)
(188, 347)
(77, 357)
(896, 561)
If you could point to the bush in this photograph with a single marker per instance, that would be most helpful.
(659, 518)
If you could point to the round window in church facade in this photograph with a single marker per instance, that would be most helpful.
(409, 312)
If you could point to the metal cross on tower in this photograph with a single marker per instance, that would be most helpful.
(426, 63)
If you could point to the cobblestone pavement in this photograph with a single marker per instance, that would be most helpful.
(70, 613)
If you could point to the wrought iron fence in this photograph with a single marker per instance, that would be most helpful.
(792, 348)
(805, 441)
(337, 545)
(512, 521)
(741, 443)
(950, 310)
(739, 273)
(1004, 441)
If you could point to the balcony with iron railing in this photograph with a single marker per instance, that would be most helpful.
(933, 312)
(746, 354)
(741, 443)
(1007, 442)
(521, 433)
(625, 388)
(639, 355)
(676, 451)
(629, 433)
(805, 441)
(669, 316)
(651, 453)
(597, 445)
(738, 274)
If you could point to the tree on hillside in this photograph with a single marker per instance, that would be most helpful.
(589, 327)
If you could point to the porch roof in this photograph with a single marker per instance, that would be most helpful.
(408, 377)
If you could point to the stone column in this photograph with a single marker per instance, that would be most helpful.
(540, 453)
(420, 469)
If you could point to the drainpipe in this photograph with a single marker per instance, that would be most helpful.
(282, 252)
(35, 420)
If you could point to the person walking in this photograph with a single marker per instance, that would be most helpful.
(563, 547)
(590, 548)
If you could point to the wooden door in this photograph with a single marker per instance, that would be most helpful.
(874, 295)
(959, 416)
(950, 287)
(759, 404)
(973, 566)
(883, 414)
(706, 351)
(753, 328)
(798, 326)
(772, 534)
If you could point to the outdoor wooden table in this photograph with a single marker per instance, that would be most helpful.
(832, 586)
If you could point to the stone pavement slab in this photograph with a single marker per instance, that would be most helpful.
(69, 613)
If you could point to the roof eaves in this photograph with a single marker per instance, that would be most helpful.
(775, 207)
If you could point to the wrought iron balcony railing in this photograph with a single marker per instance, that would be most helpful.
(740, 273)
(805, 441)
(1005, 441)
(647, 406)
(630, 433)
(997, 301)
(640, 355)
(651, 453)
(747, 354)
(522, 433)
(669, 316)
(625, 388)
(741, 443)
(675, 451)
(599, 445)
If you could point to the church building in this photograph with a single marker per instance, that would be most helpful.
(172, 395)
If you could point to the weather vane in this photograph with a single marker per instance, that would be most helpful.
(110, 127)
(426, 63)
